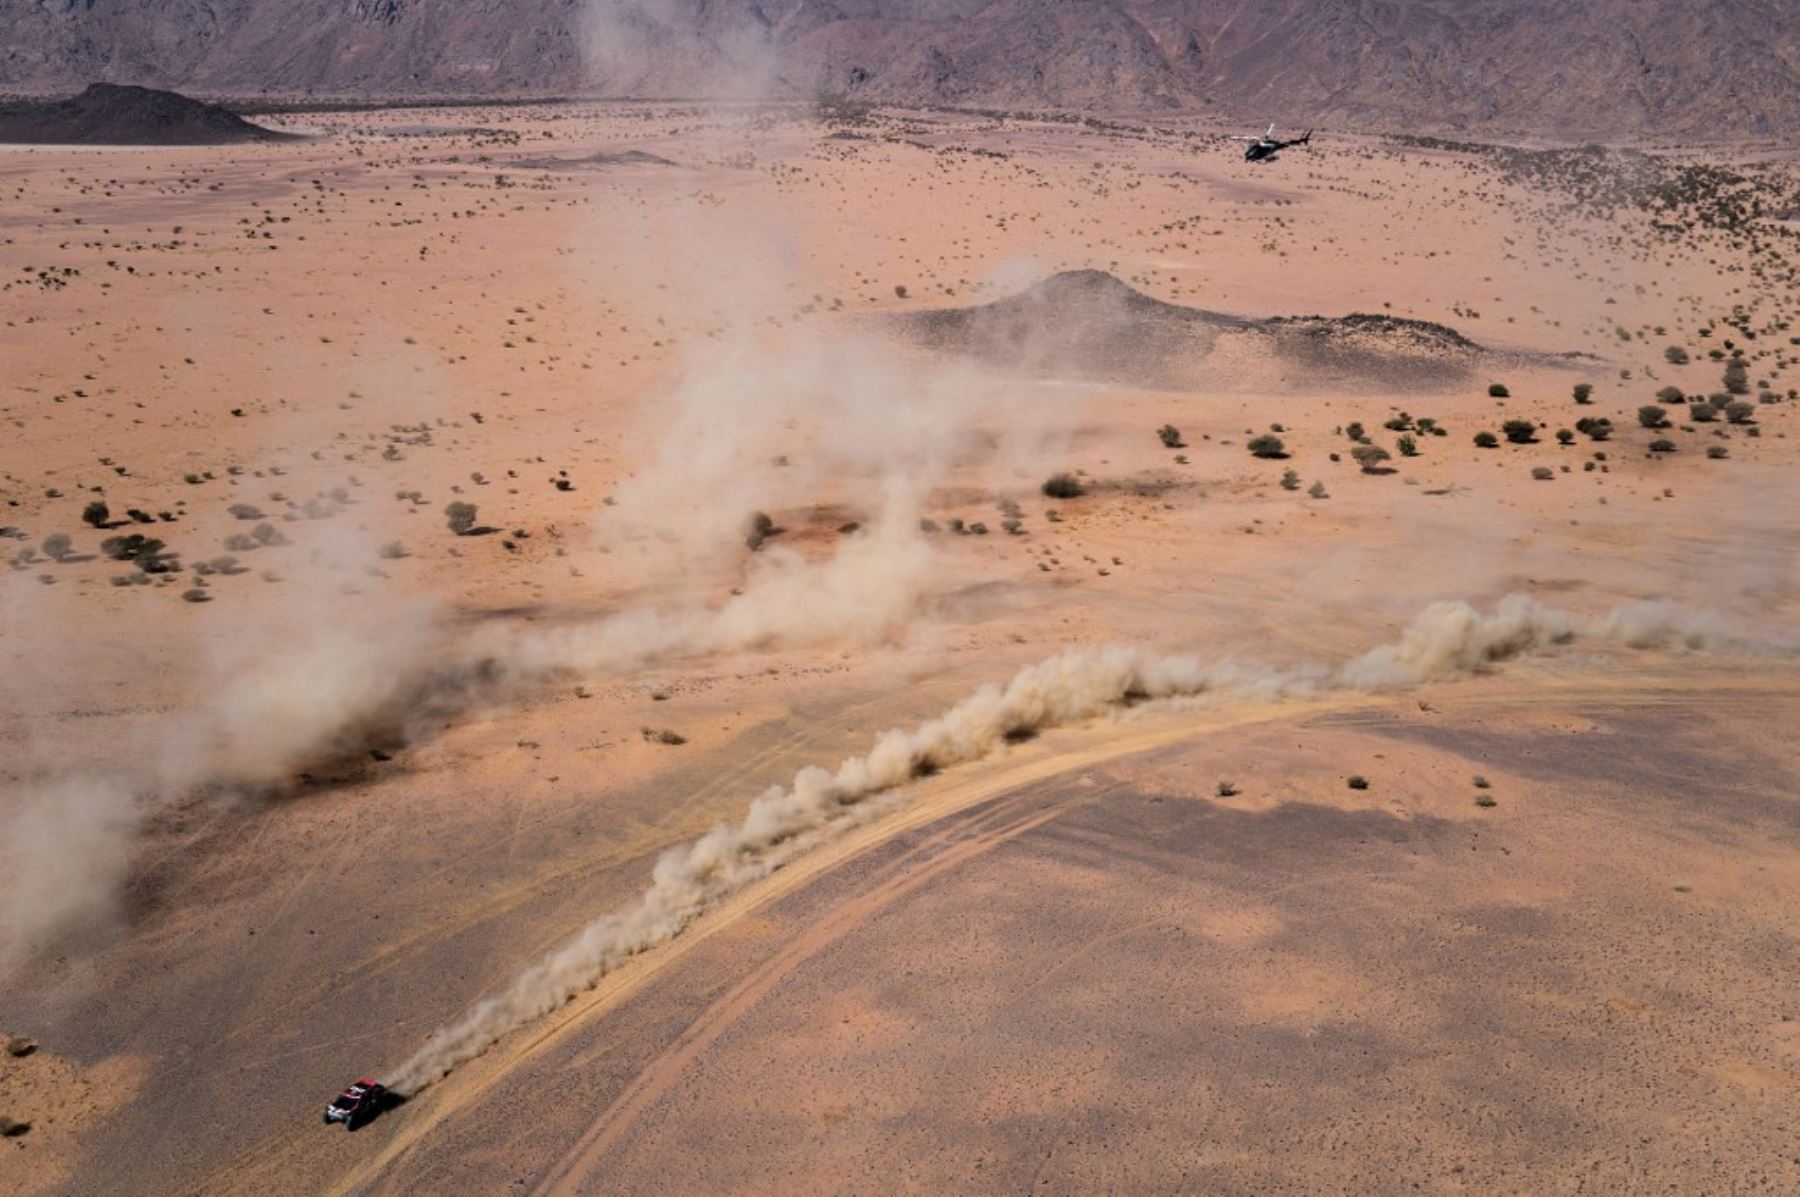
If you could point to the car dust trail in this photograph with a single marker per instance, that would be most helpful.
(1446, 640)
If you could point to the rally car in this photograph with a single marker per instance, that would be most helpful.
(357, 1104)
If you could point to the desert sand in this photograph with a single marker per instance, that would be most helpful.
(1522, 921)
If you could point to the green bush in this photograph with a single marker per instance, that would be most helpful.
(96, 514)
(1652, 416)
(1497, 390)
(1267, 446)
(1486, 440)
(1519, 432)
(459, 517)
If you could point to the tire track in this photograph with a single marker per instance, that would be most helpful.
(957, 845)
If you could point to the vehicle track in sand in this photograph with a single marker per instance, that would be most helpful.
(1560, 684)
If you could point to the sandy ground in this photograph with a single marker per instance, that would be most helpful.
(1071, 967)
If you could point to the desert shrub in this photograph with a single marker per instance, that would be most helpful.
(139, 517)
(1519, 432)
(1662, 446)
(1170, 437)
(1267, 446)
(1400, 423)
(1670, 395)
(243, 511)
(1317, 491)
(393, 550)
(1594, 428)
(459, 517)
(1675, 355)
(96, 514)
(1290, 480)
(1740, 412)
(196, 594)
(1486, 440)
(1737, 379)
(56, 545)
(1584, 392)
(1357, 781)
(133, 546)
(1063, 486)
(1225, 790)
(266, 534)
(1497, 390)
(1369, 456)
(1408, 446)
(1652, 416)
(1716, 452)
(1542, 473)
(1565, 436)
(663, 735)
(1355, 432)
(1703, 413)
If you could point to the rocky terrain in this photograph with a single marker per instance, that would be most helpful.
(114, 114)
(1714, 68)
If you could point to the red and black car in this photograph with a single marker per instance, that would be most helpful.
(357, 1104)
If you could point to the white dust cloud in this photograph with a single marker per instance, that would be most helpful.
(1447, 640)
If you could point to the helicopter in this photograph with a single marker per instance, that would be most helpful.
(1264, 148)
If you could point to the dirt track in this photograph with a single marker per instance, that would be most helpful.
(1313, 931)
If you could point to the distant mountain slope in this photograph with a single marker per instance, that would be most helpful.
(1584, 66)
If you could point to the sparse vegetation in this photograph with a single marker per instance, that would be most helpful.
(1652, 416)
(1268, 446)
(1171, 437)
(1357, 781)
(663, 735)
(1290, 480)
(1063, 486)
(1584, 392)
(1369, 457)
(1519, 432)
(96, 514)
(1486, 440)
(1408, 446)
(56, 545)
(1542, 473)
(460, 517)
(1497, 390)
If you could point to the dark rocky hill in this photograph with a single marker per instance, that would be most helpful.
(111, 114)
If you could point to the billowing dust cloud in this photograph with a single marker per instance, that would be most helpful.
(314, 680)
(1446, 640)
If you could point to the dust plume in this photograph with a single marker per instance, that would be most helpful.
(1446, 640)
